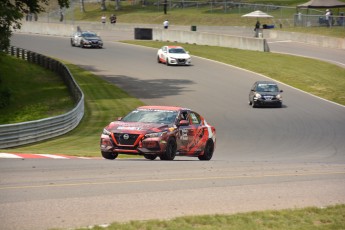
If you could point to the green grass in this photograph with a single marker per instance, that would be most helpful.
(329, 218)
(35, 92)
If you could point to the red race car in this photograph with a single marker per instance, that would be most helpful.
(159, 131)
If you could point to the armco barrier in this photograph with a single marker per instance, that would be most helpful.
(12, 135)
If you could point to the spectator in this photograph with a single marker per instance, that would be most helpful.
(103, 19)
(112, 19)
(257, 28)
(328, 18)
(166, 24)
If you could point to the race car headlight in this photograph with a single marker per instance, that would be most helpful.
(279, 97)
(106, 132)
(257, 95)
(158, 134)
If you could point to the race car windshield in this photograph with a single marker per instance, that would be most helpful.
(151, 116)
(267, 88)
(177, 51)
(89, 35)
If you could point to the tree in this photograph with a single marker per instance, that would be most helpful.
(82, 6)
(117, 4)
(165, 6)
(12, 12)
(103, 6)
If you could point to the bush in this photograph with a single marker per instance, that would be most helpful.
(5, 96)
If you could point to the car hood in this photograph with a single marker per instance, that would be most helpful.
(179, 55)
(268, 93)
(92, 38)
(135, 127)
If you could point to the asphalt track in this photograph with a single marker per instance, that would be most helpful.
(264, 159)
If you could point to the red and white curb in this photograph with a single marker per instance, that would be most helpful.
(38, 156)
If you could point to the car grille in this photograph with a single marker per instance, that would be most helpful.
(94, 42)
(120, 138)
(269, 98)
(181, 61)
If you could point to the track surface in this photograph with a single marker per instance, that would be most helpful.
(265, 158)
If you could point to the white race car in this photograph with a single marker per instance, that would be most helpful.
(173, 55)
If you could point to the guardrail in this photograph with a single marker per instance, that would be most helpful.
(12, 135)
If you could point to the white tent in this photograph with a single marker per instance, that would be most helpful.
(257, 14)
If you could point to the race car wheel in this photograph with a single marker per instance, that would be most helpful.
(72, 43)
(208, 151)
(109, 155)
(170, 150)
(253, 104)
(150, 156)
(167, 62)
(158, 60)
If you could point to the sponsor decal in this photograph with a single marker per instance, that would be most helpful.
(128, 128)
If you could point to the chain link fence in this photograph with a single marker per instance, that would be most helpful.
(282, 15)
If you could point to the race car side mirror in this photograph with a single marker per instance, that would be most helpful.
(183, 123)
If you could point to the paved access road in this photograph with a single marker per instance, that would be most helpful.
(265, 158)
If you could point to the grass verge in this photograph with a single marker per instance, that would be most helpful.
(34, 92)
(329, 218)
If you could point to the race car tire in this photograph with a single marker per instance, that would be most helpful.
(72, 43)
(167, 62)
(253, 104)
(158, 60)
(110, 155)
(208, 151)
(170, 150)
(150, 156)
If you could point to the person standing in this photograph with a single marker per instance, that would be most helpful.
(103, 19)
(166, 24)
(257, 28)
(112, 19)
(328, 18)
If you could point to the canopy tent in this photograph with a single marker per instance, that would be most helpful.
(257, 14)
(322, 4)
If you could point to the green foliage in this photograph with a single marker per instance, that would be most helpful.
(5, 96)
